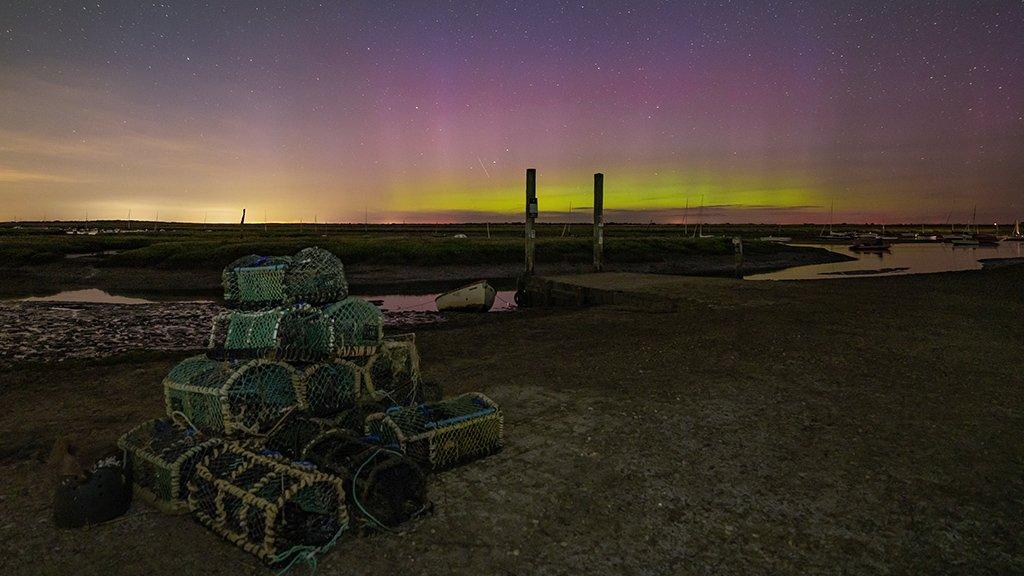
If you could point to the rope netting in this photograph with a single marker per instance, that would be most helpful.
(394, 371)
(442, 434)
(355, 322)
(312, 275)
(384, 487)
(162, 457)
(295, 433)
(351, 327)
(354, 419)
(265, 504)
(330, 387)
(225, 397)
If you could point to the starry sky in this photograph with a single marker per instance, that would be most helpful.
(429, 111)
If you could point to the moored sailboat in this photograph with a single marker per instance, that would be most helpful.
(1016, 236)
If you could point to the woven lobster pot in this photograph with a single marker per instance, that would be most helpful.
(313, 275)
(226, 397)
(330, 387)
(440, 435)
(357, 326)
(394, 371)
(354, 418)
(292, 436)
(255, 280)
(266, 505)
(384, 487)
(352, 327)
(162, 457)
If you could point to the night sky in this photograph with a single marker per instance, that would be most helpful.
(431, 111)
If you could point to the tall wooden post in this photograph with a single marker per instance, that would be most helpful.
(598, 221)
(531, 217)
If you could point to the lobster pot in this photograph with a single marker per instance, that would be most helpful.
(330, 387)
(225, 397)
(384, 487)
(354, 418)
(313, 275)
(352, 327)
(394, 371)
(266, 505)
(162, 457)
(357, 325)
(255, 280)
(292, 436)
(442, 434)
(255, 331)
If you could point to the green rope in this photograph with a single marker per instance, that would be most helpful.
(307, 554)
(355, 489)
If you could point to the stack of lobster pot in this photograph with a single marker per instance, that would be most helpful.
(300, 390)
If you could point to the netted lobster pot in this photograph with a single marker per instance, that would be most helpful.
(354, 418)
(292, 436)
(352, 327)
(313, 275)
(394, 371)
(357, 325)
(384, 487)
(330, 387)
(442, 434)
(225, 397)
(162, 457)
(266, 505)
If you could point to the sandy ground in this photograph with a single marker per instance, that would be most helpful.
(863, 426)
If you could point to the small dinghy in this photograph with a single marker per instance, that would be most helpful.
(476, 297)
(870, 244)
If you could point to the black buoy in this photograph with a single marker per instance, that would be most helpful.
(104, 494)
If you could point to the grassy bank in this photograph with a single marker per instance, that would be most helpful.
(385, 245)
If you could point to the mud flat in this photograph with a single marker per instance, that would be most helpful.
(868, 426)
(369, 278)
(61, 331)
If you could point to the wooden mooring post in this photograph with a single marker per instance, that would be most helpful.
(598, 222)
(531, 217)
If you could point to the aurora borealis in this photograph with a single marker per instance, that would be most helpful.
(427, 111)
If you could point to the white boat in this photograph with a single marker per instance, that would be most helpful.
(476, 297)
(776, 239)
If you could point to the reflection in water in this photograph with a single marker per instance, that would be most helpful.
(90, 295)
(503, 300)
(901, 259)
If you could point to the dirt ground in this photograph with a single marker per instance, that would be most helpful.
(859, 426)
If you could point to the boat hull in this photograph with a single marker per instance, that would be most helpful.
(476, 297)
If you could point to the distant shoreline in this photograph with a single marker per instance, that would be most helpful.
(157, 283)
